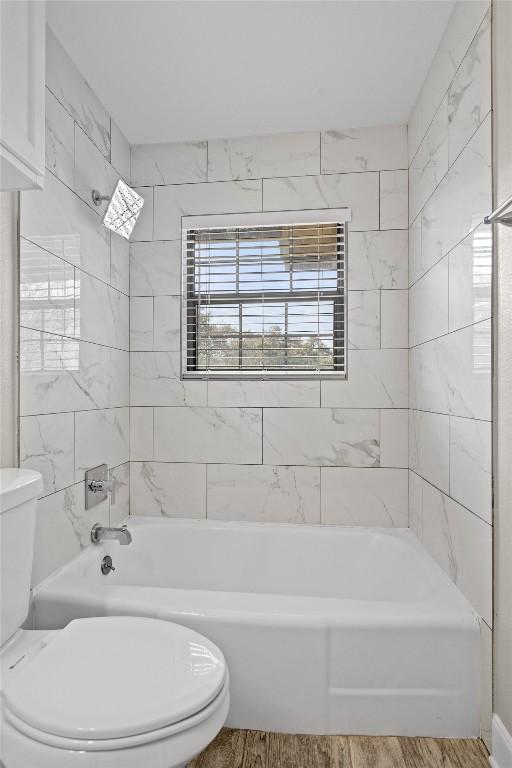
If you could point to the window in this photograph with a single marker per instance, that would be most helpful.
(264, 300)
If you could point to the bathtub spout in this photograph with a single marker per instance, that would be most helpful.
(101, 533)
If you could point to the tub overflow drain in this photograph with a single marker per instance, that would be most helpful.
(106, 565)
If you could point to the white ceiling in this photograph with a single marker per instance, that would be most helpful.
(174, 70)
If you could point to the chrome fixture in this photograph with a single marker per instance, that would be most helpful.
(123, 208)
(98, 485)
(106, 565)
(102, 533)
(496, 218)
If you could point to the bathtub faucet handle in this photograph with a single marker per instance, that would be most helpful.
(102, 486)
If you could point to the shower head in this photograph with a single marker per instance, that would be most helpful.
(123, 209)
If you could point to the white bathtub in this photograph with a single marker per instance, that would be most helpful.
(325, 630)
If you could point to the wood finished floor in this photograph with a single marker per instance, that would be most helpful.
(260, 749)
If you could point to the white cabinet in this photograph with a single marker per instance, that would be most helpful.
(22, 29)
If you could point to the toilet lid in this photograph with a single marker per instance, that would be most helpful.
(105, 678)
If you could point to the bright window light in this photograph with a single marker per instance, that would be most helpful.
(123, 210)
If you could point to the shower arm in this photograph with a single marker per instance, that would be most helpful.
(496, 218)
(98, 198)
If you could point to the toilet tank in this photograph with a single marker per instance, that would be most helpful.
(19, 490)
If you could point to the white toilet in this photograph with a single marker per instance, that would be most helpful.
(114, 692)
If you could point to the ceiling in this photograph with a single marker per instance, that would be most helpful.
(174, 70)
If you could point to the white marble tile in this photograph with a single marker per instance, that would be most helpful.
(358, 191)
(471, 465)
(61, 374)
(365, 149)
(460, 30)
(263, 494)
(174, 201)
(394, 196)
(321, 437)
(47, 291)
(141, 323)
(119, 508)
(377, 260)
(102, 313)
(429, 447)
(453, 374)
(374, 497)
(155, 269)
(92, 171)
(255, 157)
(461, 201)
(430, 163)
(47, 445)
(63, 529)
(416, 268)
(143, 229)
(470, 279)
(486, 685)
(167, 331)
(67, 84)
(363, 319)
(458, 540)
(394, 319)
(58, 221)
(173, 163)
(394, 437)
(269, 394)
(120, 264)
(101, 437)
(469, 95)
(120, 153)
(155, 380)
(376, 378)
(59, 140)
(141, 434)
(216, 435)
(168, 490)
(428, 305)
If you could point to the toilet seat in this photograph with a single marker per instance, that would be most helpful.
(116, 682)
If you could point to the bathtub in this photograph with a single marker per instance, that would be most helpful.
(326, 630)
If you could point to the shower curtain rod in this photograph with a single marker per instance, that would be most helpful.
(496, 218)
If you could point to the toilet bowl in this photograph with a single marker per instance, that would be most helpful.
(107, 692)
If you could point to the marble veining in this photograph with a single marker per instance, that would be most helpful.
(101, 436)
(365, 149)
(155, 380)
(264, 493)
(378, 260)
(471, 465)
(377, 378)
(429, 447)
(47, 445)
(155, 268)
(363, 319)
(168, 490)
(321, 437)
(59, 140)
(355, 496)
(67, 84)
(177, 163)
(288, 154)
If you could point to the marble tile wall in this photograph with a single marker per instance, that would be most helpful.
(450, 272)
(74, 318)
(299, 451)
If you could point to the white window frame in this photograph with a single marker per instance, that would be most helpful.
(268, 218)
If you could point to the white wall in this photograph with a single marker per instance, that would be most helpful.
(450, 266)
(74, 318)
(304, 451)
(503, 378)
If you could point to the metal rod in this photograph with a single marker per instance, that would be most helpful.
(495, 216)
(98, 198)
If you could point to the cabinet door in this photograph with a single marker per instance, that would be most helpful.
(22, 48)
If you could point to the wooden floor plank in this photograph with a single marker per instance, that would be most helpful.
(471, 753)
(260, 749)
(422, 752)
(376, 752)
(226, 751)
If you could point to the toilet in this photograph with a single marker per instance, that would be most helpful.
(106, 692)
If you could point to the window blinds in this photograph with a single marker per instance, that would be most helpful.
(264, 300)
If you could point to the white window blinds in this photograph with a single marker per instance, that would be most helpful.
(264, 300)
